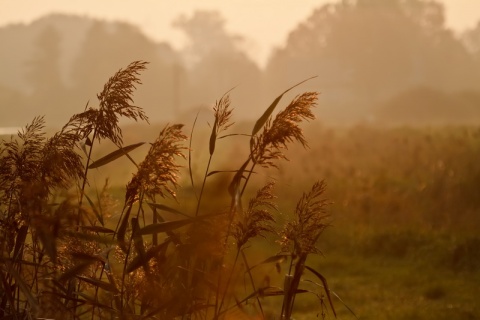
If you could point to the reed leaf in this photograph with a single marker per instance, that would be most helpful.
(166, 208)
(325, 286)
(266, 115)
(64, 296)
(165, 226)
(213, 138)
(138, 241)
(75, 270)
(273, 259)
(114, 155)
(48, 241)
(122, 229)
(24, 287)
(140, 261)
(100, 284)
(234, 186)
(95, 211)
(19, 242)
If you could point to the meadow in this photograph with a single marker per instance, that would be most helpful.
(403, 241)
(281, 218)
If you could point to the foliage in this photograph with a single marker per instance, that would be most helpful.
(67, 253)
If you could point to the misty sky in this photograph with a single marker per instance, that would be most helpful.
(263, 23)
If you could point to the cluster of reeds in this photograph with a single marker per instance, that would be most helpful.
(65, 256)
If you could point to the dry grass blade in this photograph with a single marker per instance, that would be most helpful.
(24, 287)
(138, 242)
(234, 187)
(48, 241)
(87, 236)
(122, 229)
(325, 285)
(166, 208)
(94, 209)
(98, 283)
(165, 226)
(66, 298)
(8, 296)
(114, 155)
(273, 259)
(190, 172)
(213, 138)
(19, 242)
(75, 270)
(214, 172)
(116, 298)
(140, 261)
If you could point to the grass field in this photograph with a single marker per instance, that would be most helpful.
(405, 208)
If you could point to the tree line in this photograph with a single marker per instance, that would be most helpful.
(375, 59)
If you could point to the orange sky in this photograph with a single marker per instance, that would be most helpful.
(264, 23)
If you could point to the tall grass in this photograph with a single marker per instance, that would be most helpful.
(66, 255)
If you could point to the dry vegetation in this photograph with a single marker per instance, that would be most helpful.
(68, 252)
(201, 230)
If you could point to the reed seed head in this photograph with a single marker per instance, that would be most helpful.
(158, 173)
(255, 221)
(283, 129)
(309, 222)
(114, 101)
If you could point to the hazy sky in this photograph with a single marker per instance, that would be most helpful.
(264, 23)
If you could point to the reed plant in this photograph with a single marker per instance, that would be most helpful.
(67, 254)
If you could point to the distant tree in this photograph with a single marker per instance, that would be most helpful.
(217, 62)
(364, 51)
(109, 45)
(206, 35)
(43, 68)
(471, 39)
(11, 99)
(49, 95)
